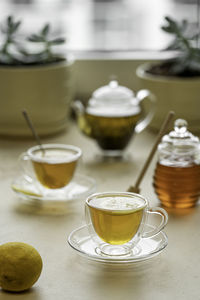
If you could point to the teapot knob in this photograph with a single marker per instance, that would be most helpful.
(113, 84)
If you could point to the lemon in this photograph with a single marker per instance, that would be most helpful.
(20, 266)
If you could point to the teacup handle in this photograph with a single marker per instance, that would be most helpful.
(164, 218)
(24, 161)
(141, 96)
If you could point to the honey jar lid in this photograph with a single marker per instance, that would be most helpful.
(180, 145)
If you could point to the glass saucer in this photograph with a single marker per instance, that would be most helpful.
(147, 248)
(80, 187)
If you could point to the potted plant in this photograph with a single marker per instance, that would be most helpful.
(36, 77)
(176, 81)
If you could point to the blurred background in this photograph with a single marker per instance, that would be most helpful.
(106, 37)
(103, 25)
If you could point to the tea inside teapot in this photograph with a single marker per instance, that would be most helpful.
(111, 129)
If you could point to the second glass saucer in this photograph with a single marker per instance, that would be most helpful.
(80, 187)
(147, 248)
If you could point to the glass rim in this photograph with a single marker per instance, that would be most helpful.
(73, 157)
(114, 193)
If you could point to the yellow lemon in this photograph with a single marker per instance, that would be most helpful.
(20, 266)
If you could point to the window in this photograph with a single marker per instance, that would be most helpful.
(103, 25)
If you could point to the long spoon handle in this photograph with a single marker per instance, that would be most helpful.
(162, 131)
(35, 135)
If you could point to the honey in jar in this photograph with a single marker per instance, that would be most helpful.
(177, 174)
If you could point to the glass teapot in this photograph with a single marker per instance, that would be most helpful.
(176, 178)
(112, 115)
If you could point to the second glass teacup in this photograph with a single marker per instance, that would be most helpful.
(53, 168)
(116, 221)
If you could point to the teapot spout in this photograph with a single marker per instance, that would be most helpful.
(78, 107)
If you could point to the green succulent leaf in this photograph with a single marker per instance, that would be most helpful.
(36, 38)
(45, 30)
(12, 26)
(23, 51)
(57, 41)
(186, 43)
(16, 52)
(171, 26)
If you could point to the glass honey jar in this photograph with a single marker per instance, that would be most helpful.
(177, 174)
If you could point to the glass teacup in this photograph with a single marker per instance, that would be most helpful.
(53, 168)
(116, 221)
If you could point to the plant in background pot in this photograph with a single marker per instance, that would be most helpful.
(176, 81)
(34, 76)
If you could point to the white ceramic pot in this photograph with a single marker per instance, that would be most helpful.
(182, 95)
(44, 91)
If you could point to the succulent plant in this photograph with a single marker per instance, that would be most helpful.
(14, 51)
(187, 61)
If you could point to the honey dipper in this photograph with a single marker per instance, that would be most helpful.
(165, 125)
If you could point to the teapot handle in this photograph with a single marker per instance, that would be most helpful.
(78, 107)
(142, 95)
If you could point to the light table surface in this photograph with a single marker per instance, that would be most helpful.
(174, 274)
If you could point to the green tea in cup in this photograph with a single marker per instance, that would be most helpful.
(116, 219)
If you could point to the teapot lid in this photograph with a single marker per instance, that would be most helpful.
(180, 145)
(114, 97)
(113, 92)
